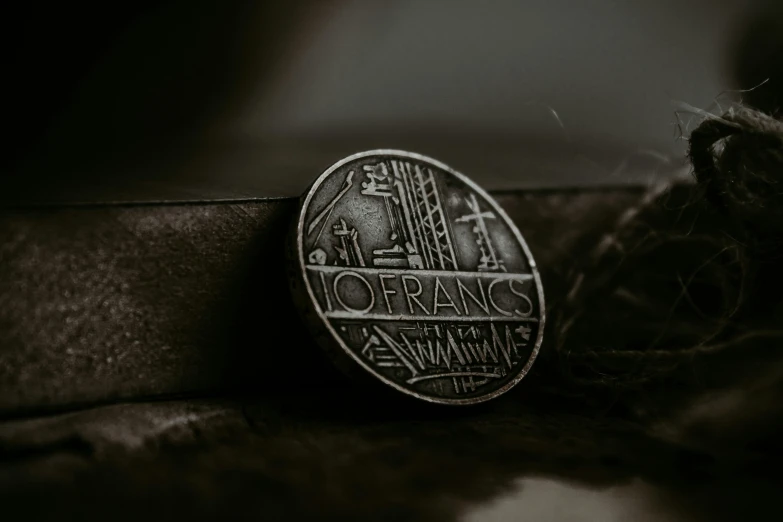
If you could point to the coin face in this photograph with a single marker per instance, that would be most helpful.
(406, 269)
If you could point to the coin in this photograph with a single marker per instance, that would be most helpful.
(406, 270)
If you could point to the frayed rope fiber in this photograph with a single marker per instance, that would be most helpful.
(685, 296)
(737, 160)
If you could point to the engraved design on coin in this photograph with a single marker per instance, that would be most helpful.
(412, 271)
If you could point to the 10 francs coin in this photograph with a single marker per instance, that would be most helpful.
(405, 269)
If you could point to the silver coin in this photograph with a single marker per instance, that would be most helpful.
(405, 270)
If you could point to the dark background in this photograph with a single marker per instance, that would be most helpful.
(116, 304)
(183, 100)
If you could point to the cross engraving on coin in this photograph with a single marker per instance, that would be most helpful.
(409, 270)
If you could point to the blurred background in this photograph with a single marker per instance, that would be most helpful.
(183, 99)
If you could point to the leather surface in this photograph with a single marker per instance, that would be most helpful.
(107, 302)
(341, 455)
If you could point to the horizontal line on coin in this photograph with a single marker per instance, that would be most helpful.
(413, 272)
(450, 318)
(453, 374)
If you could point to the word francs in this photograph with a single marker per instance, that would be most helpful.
(365, 292)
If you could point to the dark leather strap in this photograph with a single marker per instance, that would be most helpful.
(108, 302)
